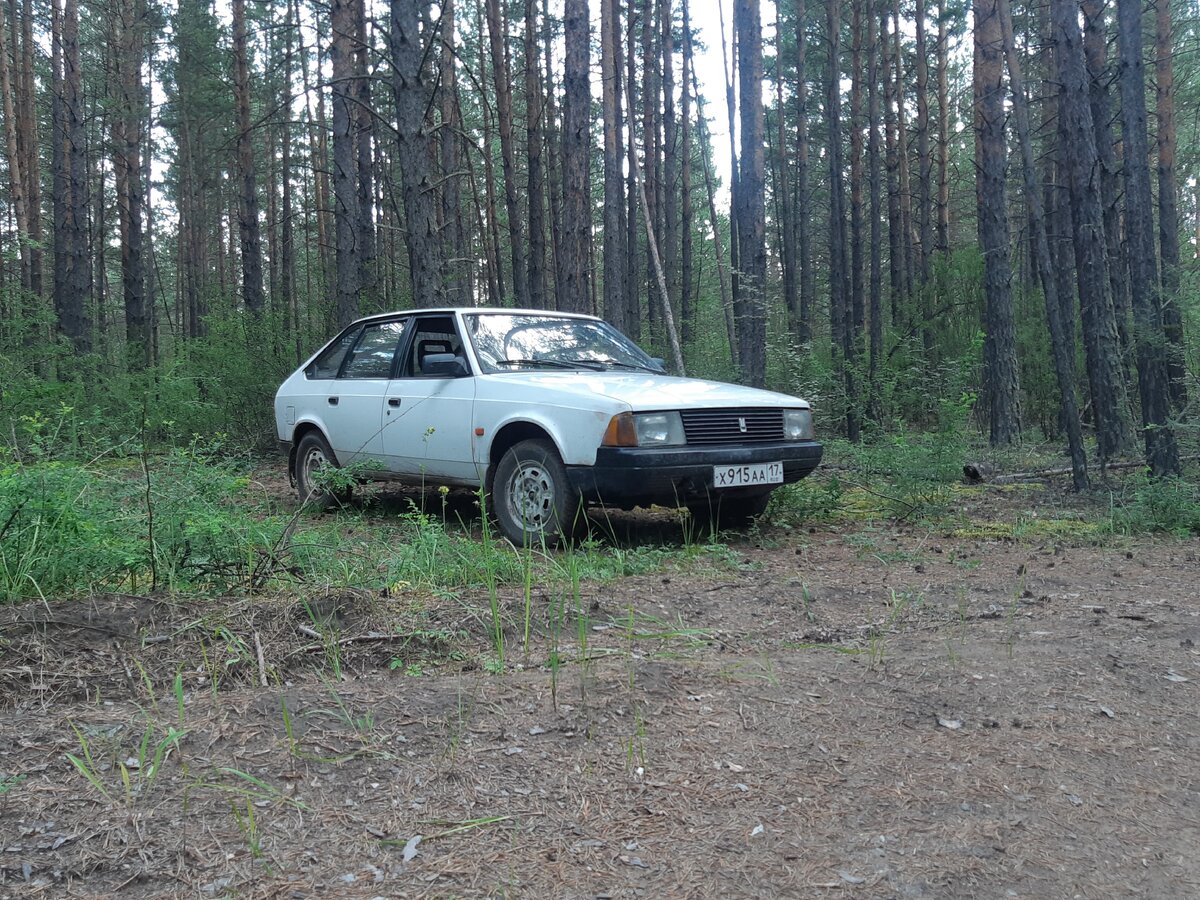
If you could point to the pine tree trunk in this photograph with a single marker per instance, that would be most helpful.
(1149, 340)
(73, 314)
(536, 179)
(450, 146)
(576, 142)
(1095, 42)
(874, 165)
(248, 225)
(751, 198)
(15, 162)
(807, 286)
(1001, 387)
(670, 152)
(414, 146)
(651, 112)
(127, 37)
(838, 299)
(942, 241)
(892, 165)
(907, 254)
(59, 191)
(687, 303)
(497, 40)
(1168, 203)
(924, 169)
(614, 187)
(1060, 349)
(1077, 153)
(856, 313)
(346, 215)
(30, 145)
(633, 307)
(364, 130)
(782, 191)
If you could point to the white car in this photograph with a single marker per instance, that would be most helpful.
(544, 410)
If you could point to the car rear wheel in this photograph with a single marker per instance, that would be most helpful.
(720, 512)
(532, 499)
(312, 455)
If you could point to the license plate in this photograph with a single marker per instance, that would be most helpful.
(747, 476)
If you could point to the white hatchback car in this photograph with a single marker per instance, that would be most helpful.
(544, 410)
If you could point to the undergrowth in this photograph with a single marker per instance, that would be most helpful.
(194, 521)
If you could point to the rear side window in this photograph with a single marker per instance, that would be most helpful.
(375, 351)
(329, 363)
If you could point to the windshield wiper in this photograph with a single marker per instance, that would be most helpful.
(628, 365)
(550, 363)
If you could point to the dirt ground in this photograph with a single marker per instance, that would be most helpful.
(876, 711)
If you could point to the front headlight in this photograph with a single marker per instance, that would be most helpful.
(663, 429)
(798, 425)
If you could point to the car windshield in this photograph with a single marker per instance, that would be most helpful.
(506, 342)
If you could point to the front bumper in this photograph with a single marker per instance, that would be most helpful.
(639, 476)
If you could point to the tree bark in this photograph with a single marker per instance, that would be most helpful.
(128, 38)
(1168, 204)
(1001, 387)
(73, 314)
(687, 303)
(942, 241)
(614, 188)
(839, 332)
(364, 131)
(498, 41)
(1095, 42)
(803, 326)
(576, 142)
(751, 199)
(248, 225)
(1150, 342)
(346, 215)
(414, 146)
(874, 164)
(1078, 154)
(1060, 348)
(536, 176)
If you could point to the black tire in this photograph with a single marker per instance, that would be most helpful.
(722, 513)
(532, 499)
(313, 453)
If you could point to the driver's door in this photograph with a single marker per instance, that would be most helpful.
(428, 425)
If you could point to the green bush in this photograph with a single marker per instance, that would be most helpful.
(1147, 504)
(68, 527)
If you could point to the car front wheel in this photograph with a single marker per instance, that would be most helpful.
(312, 455)
(532, 499)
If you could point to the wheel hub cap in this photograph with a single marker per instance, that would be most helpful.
(531, 494)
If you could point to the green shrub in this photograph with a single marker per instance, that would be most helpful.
(1147, 504)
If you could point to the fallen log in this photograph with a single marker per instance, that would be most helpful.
(980, 473)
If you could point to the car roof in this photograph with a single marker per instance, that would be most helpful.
(470, 310)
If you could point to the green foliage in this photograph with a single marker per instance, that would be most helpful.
(1147, 504)
(71, 527)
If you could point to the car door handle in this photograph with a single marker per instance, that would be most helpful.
(393, 401)
(333, 401)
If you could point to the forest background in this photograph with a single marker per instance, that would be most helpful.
(920, 215)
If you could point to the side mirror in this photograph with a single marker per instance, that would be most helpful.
(659, 362)
(444, 365)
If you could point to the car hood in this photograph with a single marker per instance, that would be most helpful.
(651, 392)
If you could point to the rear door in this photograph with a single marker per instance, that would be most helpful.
(355, 403)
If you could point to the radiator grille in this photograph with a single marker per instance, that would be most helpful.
(732, 426)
